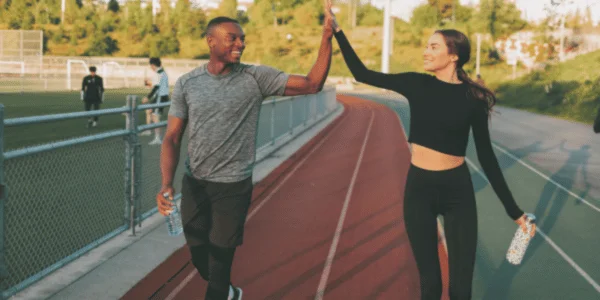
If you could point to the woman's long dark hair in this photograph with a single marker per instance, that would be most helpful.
(459, 45)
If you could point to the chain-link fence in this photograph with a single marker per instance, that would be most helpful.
(59, 200)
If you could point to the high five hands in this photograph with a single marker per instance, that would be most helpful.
(329, 23)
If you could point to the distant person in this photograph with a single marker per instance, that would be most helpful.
(92, 94)
(443, 107)
(219, 103)
(480, 80)
(159, 93)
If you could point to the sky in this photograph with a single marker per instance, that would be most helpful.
(534, 8)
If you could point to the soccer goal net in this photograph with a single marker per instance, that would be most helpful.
(80, 70)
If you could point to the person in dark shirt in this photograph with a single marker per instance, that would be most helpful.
(444, 107)
(92, 94)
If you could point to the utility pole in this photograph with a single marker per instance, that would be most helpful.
(385, 56)
(478, 52)
(453, 10)
(154, 10)
(62, 12)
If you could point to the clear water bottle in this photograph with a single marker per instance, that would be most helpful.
(520, 242)
(173, 219)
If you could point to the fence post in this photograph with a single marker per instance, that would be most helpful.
(137, 163)
(291, 115)
(273, 123)
(306, 100)
(129, 207)
(3, 197)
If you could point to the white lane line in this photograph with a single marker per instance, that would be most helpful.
(338, 230)
(570, 261)
(546, 177)
(189, 277)
(562, 253)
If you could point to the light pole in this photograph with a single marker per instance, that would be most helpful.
(62, 12)
(478, 52)
(385, 55)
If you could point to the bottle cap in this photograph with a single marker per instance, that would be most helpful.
(530, 218)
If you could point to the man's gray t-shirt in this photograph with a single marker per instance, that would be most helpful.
(222, 113)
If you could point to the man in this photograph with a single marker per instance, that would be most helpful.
(219, 103)
(158, 94)
(92, 94)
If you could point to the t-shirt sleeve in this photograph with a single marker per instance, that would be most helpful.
(271, 81)
(179, 107)
(156, 79)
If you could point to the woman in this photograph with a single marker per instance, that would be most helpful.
(444, 107)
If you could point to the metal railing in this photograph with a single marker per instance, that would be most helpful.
(62, 199)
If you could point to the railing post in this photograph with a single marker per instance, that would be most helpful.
(291, 115)
(273, 123)
(137, 162)
(306, 100)
(3, 197)
(129, 205)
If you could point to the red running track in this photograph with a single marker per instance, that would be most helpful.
(326, 224)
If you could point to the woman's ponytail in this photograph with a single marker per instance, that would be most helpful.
(477, 91)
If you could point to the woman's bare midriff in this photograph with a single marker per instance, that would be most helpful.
(429, 159)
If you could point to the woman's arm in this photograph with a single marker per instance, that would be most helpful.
(489, 162)
(406, 83)
(360, 72)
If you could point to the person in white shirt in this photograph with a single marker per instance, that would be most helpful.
(158, 94)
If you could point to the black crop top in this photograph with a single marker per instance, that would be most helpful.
(441, 117)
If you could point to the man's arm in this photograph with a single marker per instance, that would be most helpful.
(314, 81)
(170, 149)
(176, 123)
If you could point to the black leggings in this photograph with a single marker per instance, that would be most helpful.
(448, 193)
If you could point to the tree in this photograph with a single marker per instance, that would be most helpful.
(444, 8)
(228, 8)
(424, 16)
(369, 15)
(101, 44)
(113, 6)
(261, 13)
(500, 18)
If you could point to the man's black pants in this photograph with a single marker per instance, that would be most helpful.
(213, 216)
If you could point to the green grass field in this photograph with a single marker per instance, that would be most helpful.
(61, 200)
(44, 103)
(575, 92)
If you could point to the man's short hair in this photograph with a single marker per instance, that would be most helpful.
(218, 21)
(92, 69)
(155, 61)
